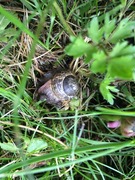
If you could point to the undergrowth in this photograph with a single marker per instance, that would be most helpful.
(95, 40)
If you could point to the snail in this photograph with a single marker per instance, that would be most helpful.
(59, 88)
(126, 125)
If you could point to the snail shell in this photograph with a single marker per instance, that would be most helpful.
(128, 127)
(61, 88)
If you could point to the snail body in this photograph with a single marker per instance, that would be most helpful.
(59, 89)
(126, 125)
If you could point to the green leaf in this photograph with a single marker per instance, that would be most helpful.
(109, 26)
(74, 103)
(129, 49)
(121, 49)
(105, 91)
(89, 53)
(112, 88)
(36, 145)
(124, 30)
(78, 47)
(128, 94)
(94, 32)
(99, 63)
(122, 67)
(9, 147)
(6, 34)
(118, 48)
(123, 2)
(3, 23)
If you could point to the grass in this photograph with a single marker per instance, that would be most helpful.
(38, 141)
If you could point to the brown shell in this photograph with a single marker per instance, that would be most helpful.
(60, 89)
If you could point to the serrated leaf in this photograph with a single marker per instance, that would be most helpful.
(122, 67)
(9, 147)
(121, 49)
(94, 32)
(78, 47)
(112, 88)
(109, 26)
(105, 89)
(128, 50)
(123, 30)
(36, 145)
(118, 48)
(99, 63)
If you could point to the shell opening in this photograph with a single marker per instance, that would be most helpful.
(70, 86)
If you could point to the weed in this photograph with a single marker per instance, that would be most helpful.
(92, 39)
